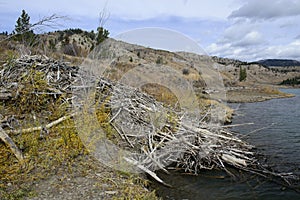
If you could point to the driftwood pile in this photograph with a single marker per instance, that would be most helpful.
(152, 135)
(59, 75)
(163, 135)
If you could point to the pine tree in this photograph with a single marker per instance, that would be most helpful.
(23, 29)
(23, 24)
(102, 34)
(243, 74)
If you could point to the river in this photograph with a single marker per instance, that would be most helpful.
(276, 134)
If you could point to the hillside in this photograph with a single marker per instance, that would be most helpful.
(74, 45)
(278, 62)
(78, 43)
(202, 71)
(257, 74)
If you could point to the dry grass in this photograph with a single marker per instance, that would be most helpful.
(272, 91)
(161, 93)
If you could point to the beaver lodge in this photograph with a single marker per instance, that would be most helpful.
(123, 126)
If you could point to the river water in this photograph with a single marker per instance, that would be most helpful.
(276, 134)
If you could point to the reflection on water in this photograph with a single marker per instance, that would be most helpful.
(277, 135)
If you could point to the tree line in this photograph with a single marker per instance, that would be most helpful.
(291, 81)
(24, 30)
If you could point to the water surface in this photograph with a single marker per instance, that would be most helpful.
(276, 134)
(276, 129)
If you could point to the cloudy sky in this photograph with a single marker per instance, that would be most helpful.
(242, 29)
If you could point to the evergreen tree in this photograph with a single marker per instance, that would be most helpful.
(102, 34)
(243, 74)
(23, 29)
(159, 60)
(23, 24)
(291, 81)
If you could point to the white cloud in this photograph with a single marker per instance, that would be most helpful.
(237, 32)
(291, 50)
(267, 9)
(255, 34)
(251, 38)
(246, 53)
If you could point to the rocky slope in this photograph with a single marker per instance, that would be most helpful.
(260, 84)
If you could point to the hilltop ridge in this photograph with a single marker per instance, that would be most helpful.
(278, 62)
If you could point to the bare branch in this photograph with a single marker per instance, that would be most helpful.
(10, 143)
(39, 128)
(49, 22)
(103, 17)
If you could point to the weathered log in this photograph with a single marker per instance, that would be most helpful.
(10, 143)
(234, 160)
(39, 128)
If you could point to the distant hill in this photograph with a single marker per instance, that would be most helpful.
(75, 44)
(278, 62)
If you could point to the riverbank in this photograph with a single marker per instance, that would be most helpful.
(89, 179)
